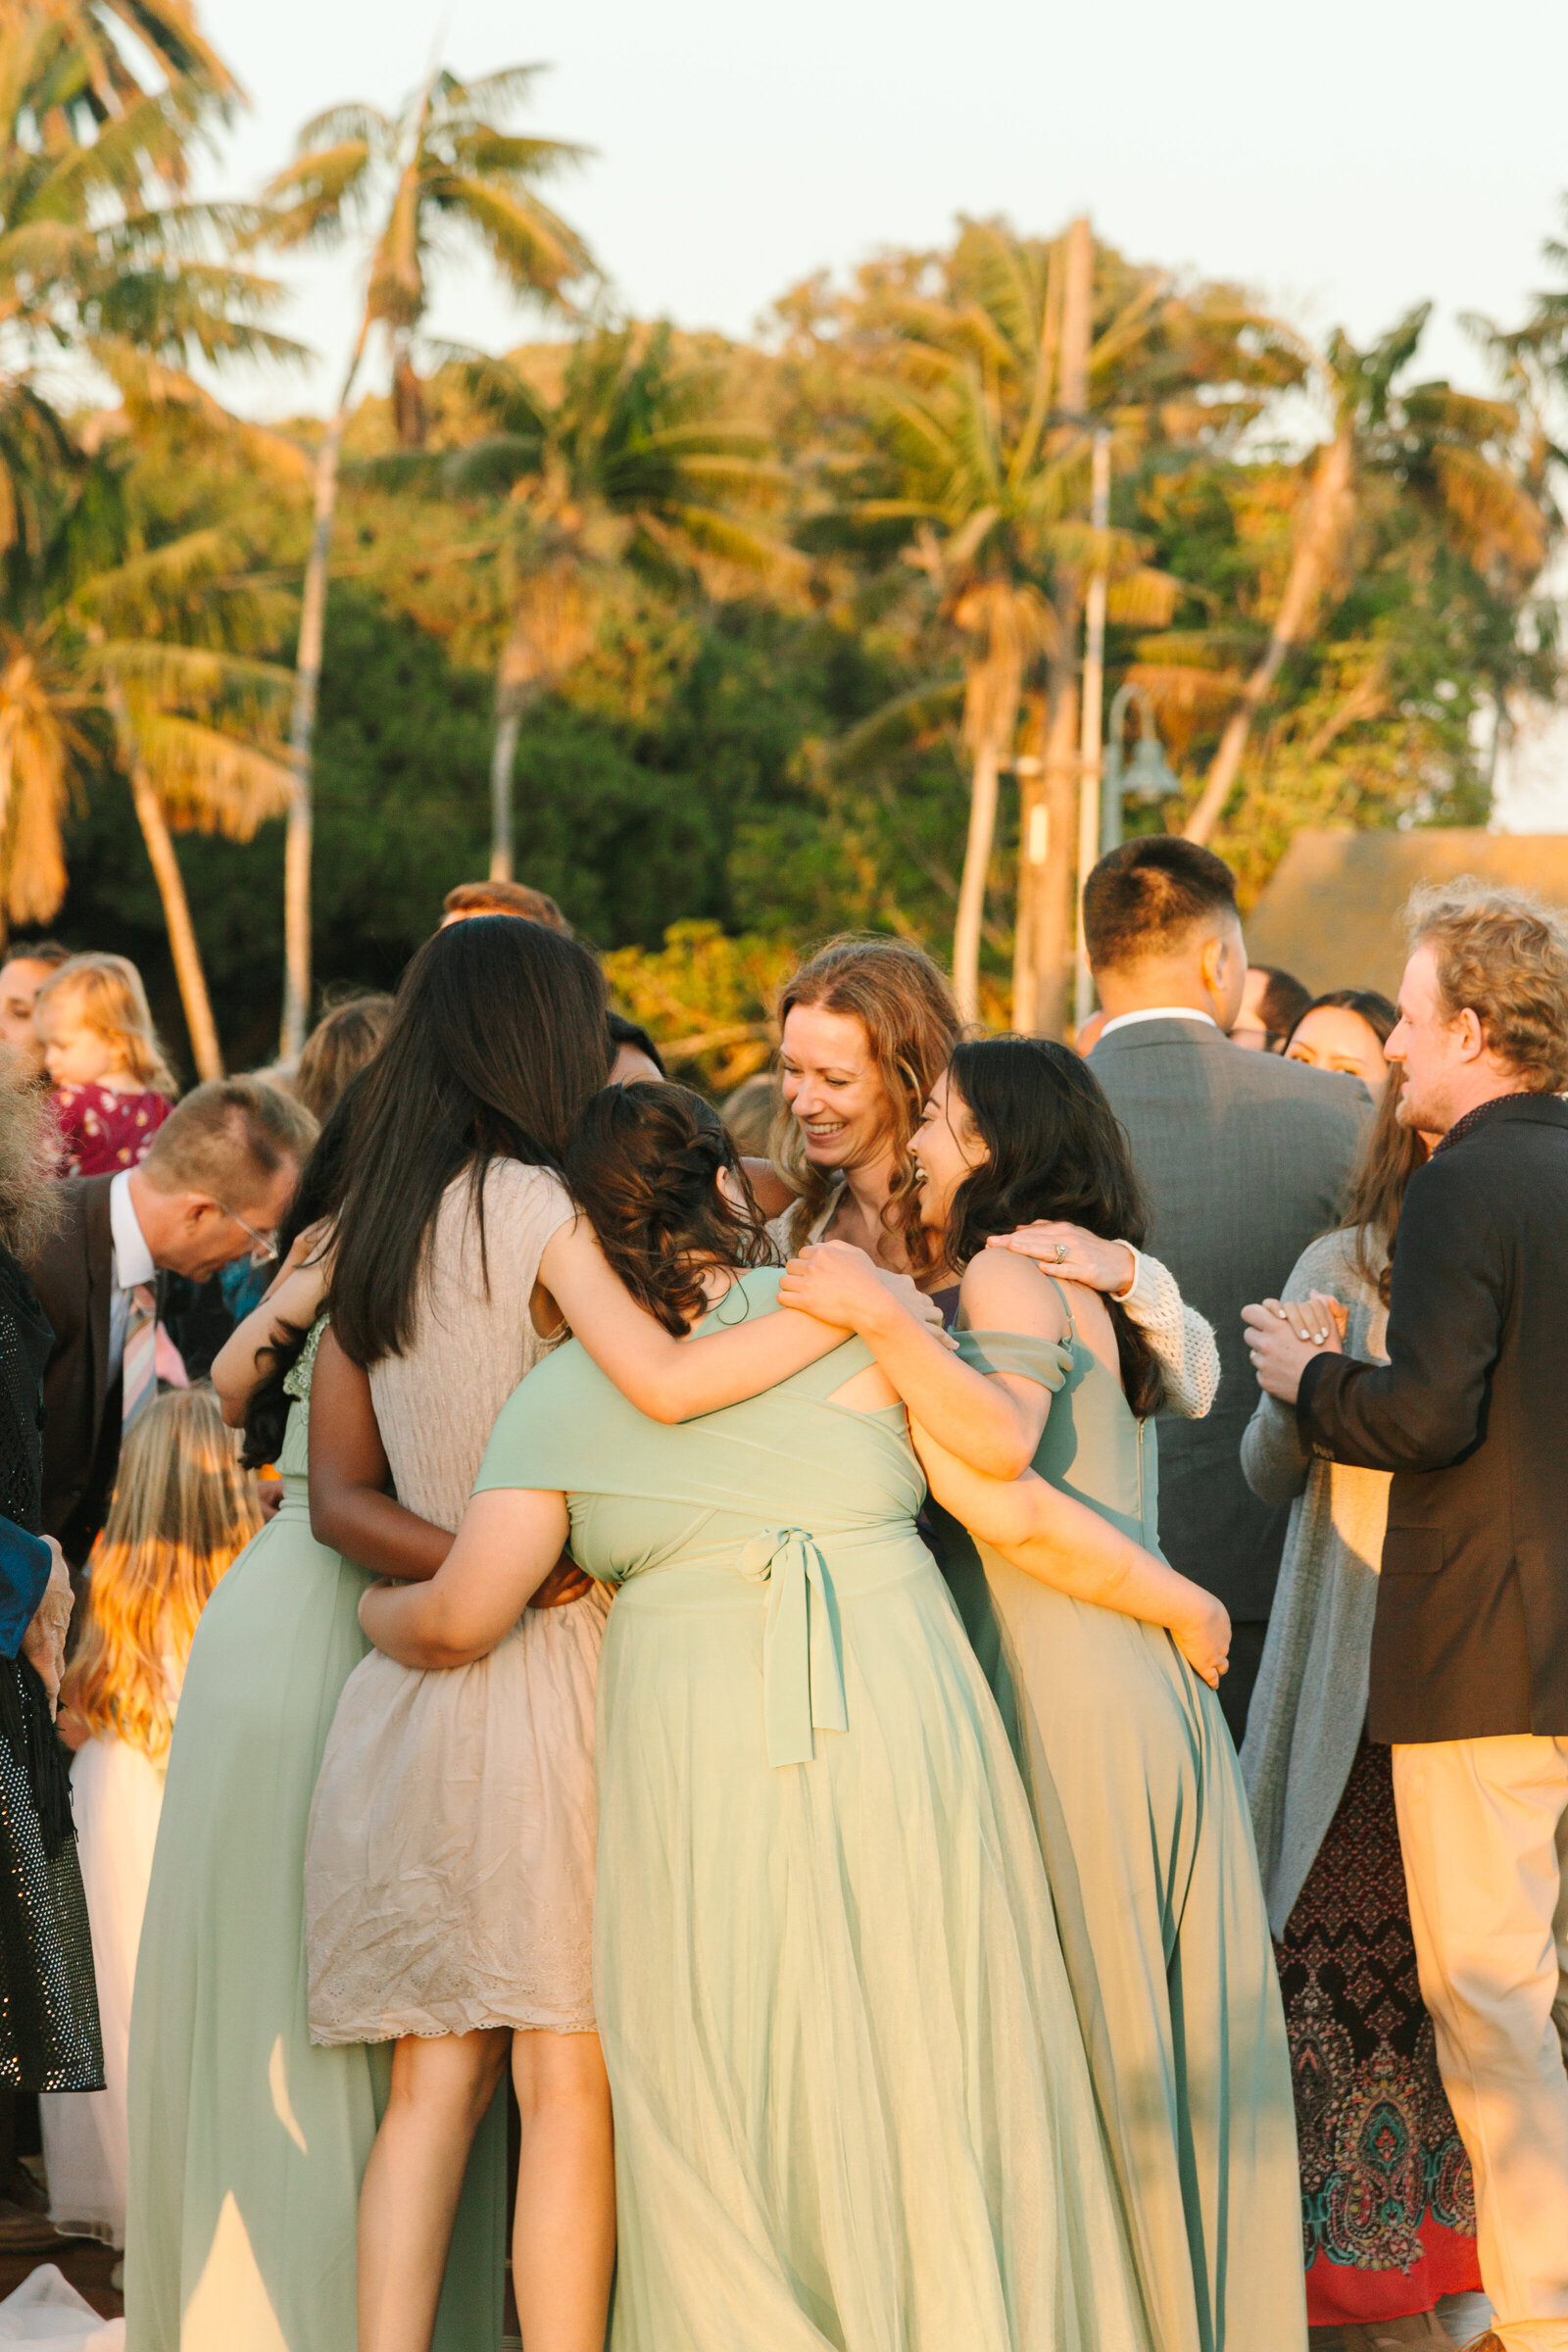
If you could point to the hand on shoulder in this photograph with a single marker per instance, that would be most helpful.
(1006, 1291)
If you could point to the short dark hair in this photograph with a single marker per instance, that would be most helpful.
(1147, 896)
(36, 950)
(505, 898)
(632, 1033)
(1283, 1002)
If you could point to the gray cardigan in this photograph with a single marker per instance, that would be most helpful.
(1309, 1705)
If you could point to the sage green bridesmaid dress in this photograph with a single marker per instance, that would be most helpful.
(1147, 1841)
(247, 2143)
(852, 2107)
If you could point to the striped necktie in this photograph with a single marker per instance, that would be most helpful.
(139, 1377)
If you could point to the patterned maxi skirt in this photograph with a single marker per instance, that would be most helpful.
(1387, 2202)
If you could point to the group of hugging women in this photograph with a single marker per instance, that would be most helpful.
(724, 1670)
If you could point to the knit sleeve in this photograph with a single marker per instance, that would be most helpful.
(1180, 1338)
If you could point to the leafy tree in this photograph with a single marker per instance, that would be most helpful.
(634, 467)
(1461, 470)
(444, 168)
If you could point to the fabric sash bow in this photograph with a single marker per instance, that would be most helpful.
(803, 1673)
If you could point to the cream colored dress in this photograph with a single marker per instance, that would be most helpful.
(448, 1873)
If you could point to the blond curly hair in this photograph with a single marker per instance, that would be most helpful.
(1505, 955)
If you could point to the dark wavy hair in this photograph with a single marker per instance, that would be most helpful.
(497, 1040)
(1380, 1016)
(318, 1195)
(1057, 1149)
(643, 1164)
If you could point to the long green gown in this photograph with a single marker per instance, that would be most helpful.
(1147, 1841)
(852, 2107)
(247, 2143)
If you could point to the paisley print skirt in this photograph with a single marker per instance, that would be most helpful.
(1388, 2207)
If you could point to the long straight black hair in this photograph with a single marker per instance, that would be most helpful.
(1057, 1149)
(495, 1042)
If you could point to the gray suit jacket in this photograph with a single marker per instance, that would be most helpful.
(1243, 1158)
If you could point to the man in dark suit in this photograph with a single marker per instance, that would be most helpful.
(216, 1184)
(1243, 1158)
(1469, 1678)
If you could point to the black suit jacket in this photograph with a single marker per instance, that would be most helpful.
(1470, 1415)
(1243, 1158)
(73, 1273)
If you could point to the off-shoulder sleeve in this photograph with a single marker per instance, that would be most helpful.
(1183, 1342)
(1017, 1352)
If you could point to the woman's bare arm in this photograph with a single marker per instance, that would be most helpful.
(351, 1509)
(991, 1421)
(1054, 1536)
(666, 1378)
(291, 1301)
(508, 1542)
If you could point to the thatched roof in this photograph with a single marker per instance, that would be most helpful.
(1332, 914)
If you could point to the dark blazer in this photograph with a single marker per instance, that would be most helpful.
(73, 1272)
(1470, 1415)
(1243, 1158)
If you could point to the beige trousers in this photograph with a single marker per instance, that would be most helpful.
(1483, 1824)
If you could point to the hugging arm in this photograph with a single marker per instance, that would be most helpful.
(351, 1508)
(508, 1542)
(1054, 1536)
(1178, 1335)
(289, 1305)
(991, 1421)
(666, 1378)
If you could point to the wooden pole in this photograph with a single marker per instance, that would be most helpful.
(1089, 748)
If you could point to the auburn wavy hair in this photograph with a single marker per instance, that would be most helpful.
(182, 1512)
(644, 1166)
(905, 1008)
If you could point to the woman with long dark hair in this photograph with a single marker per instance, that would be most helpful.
(1138, 1798)
(851, 2104)
(1388, 2204)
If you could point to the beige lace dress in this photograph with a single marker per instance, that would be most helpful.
(449, 1870)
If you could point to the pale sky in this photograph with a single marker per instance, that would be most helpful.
(1345, 160)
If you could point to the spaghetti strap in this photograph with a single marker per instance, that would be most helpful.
(1065, 1302)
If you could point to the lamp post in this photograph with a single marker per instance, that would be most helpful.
(1148, 778)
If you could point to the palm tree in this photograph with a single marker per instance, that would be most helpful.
(444, 168)
(975, 459)
(107, 669)
(1454, 458)
(635, 465)
(93, 31)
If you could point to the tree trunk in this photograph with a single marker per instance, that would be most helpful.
(1091, 759)
(1327, 513)
(972, 884)
(1045, 927)
(302, 729)
(509, 721)
(189, 971)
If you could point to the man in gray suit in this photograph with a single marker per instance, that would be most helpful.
(1243, 1158)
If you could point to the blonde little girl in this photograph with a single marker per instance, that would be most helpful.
(112, 1086)
(182, 1512)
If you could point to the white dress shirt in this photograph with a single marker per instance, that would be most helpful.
(1160, 1013)
(131, 1262)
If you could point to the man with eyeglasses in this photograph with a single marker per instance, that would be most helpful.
(130, 1252)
